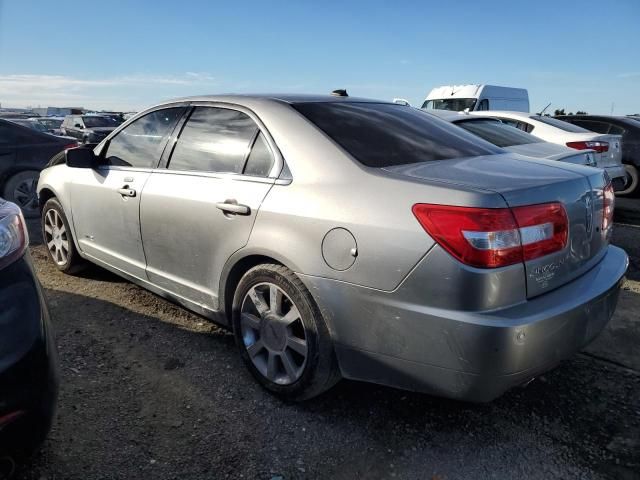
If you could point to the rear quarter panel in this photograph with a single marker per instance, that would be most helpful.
(329, 190)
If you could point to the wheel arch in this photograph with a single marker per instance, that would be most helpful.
(233, 271)
(47, 192)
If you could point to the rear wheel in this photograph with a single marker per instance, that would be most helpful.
(57, 238)
(21, 190)
(632, 182)
(282, 336)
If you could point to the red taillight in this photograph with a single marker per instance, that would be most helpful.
(71, 145)
(495, 237)
(10, 417)
(599, 147)
(608, 206)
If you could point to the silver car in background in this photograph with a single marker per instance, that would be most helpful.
(514, 140)
(340, 237)
(608, 148)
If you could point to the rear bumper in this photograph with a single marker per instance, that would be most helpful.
(28, 359)
(381, 337)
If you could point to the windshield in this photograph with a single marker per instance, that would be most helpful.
(383, 135)
(91, 122)
(454, 104)
(554, 122)
(498, 133)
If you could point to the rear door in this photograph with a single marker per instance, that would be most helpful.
(105, 202)
(198, 211)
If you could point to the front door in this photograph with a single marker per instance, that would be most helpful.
(105, 202)
(201, 209)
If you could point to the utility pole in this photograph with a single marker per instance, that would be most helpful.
(613, 104)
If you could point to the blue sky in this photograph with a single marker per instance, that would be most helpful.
(127, 55)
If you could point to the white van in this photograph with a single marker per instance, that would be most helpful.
(477, 97)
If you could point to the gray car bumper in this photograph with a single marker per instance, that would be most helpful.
(475, 356)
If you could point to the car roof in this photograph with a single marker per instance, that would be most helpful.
(275, 97)
(451, 116)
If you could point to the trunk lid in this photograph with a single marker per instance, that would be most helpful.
(525, 181)
(610, 158)
(553, 151)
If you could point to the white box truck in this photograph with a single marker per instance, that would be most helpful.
(477, 97)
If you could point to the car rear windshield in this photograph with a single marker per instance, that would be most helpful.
(382, 135)
(554, 122)
(93, 122)
(453, 104)
(498, 133)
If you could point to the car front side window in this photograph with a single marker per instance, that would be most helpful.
(141, 143)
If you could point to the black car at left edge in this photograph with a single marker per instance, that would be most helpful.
(28, 357)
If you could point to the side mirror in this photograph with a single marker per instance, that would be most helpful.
(81, 158)
(77, 125)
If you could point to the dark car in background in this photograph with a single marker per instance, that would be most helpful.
(28, 358)
(88, 128)
(23, 154)
(629, 128)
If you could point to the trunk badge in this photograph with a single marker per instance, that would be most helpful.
(588, 223)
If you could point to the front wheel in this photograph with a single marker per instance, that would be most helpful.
(282, 336)
(632, 182)
(21, 189)
(57, 238)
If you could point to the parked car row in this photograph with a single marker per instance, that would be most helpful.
(629, 129)
(514, 140)
(88, 128)
(347, 238)
(607, 148)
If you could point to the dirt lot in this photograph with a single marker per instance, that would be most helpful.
(152, 391)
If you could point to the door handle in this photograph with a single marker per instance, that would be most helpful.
(126, 191)
(231, 206)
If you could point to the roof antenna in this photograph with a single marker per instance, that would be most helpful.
(341, 92)
(402, 101)
(543, 110)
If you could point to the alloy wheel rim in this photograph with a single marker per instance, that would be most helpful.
(56, 237)
(273, 333)
(25, 194)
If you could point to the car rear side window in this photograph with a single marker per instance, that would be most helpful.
(140, 143)
(497, 132)
(382, 135)
(260, 159)
(214, 140)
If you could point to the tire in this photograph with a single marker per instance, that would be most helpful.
(21, 189)
(287, 349)
(58, 240)
(633, 180)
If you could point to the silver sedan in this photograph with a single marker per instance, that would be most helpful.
(346, 238)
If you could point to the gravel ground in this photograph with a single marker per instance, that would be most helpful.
(152, 391)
